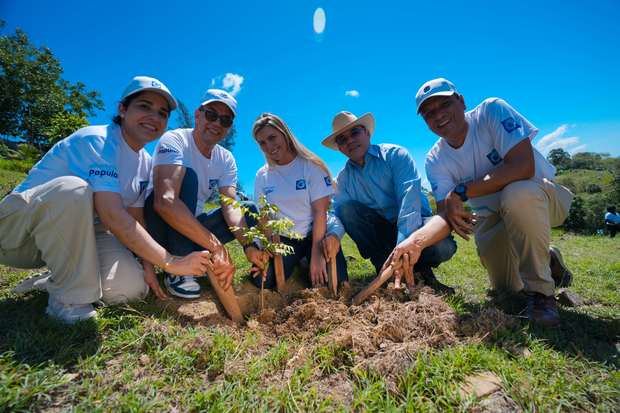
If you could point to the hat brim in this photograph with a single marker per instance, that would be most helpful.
(366, 120)
(206, 102)
(172, 102)
(442, 93)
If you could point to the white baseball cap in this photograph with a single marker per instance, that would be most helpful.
(435, 87)
(146, 83)
(218, 95)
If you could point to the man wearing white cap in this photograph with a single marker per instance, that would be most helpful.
(380, 202)
(48, 219)
(188, 167)
(485, 157)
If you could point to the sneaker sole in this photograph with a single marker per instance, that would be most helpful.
(176, 293)
(35, 283)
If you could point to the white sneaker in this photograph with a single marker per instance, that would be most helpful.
(37, 282)
(69, 313)
(182, 286)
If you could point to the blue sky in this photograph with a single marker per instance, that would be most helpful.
(556, 62)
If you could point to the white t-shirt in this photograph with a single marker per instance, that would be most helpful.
(494, 129)
(100, 156)
(293, 188)
(177, 147)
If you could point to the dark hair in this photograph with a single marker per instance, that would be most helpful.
(611, 209)
(125, 102)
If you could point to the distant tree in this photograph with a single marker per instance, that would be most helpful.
(576, 216)
(559, 158)
(185, 119)
(36, 104)
(593, 188)
(589, 160)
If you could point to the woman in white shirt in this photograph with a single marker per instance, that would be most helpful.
(300, 184)
(80, 212)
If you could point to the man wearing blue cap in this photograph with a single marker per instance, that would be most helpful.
(485, 157)
(188, 168)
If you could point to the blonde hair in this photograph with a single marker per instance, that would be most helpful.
(269, 119)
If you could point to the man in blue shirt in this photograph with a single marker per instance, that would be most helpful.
(612, 221)
(380, 202)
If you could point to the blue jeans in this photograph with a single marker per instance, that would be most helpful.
(375, 237)
(302, 248)
(177, 243)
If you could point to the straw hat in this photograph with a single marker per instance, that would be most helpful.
(346, 120)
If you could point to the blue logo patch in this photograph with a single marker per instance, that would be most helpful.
(268, 189)
(494, 157)
(143, 185)
(165, 149)
(300, 184)
(510, 124)
(213, 183)
(328, 181)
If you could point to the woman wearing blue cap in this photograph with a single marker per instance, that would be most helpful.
(48, 220)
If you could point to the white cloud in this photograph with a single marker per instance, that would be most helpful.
(353, 93)
(231, 82)
(556, 139)
(577, 149)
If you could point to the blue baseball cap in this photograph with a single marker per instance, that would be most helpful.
(218, 95)
(435, 87)
(146, 83)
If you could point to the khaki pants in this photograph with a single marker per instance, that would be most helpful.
(513, 244)
(52, 224)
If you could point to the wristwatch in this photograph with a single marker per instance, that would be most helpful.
(461, 191)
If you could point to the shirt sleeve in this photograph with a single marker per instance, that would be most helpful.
(507, 126)
(258, 186)
(334, 225)
(441, 181)
(169, 150)
(407, 187)
(319, 183)
(229, 173)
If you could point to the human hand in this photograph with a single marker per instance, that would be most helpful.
(330, 245)
(461, 221)
(222, 267)
(195, 263)
(318, 269)
(259, 260)
(151, 280)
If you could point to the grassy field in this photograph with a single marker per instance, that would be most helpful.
(141, 357)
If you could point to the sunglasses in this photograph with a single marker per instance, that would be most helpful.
(225, 120)
(353, 133)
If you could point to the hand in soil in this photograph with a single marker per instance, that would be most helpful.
(151, 280)
(330, 246)
(223, 268)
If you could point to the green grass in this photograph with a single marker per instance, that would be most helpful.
(142, 358)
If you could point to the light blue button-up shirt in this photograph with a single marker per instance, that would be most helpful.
(388, 183)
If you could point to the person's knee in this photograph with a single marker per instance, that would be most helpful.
(127, 283)
(349, 212)
(517, 197)
(438, 253)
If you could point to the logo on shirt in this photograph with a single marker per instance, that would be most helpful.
(165, 149)
(510, 124)
(328, 182)
(268, 189)
(143, 185)
(494, 157)
(213, 183)
(102, 173)
(300, 184)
